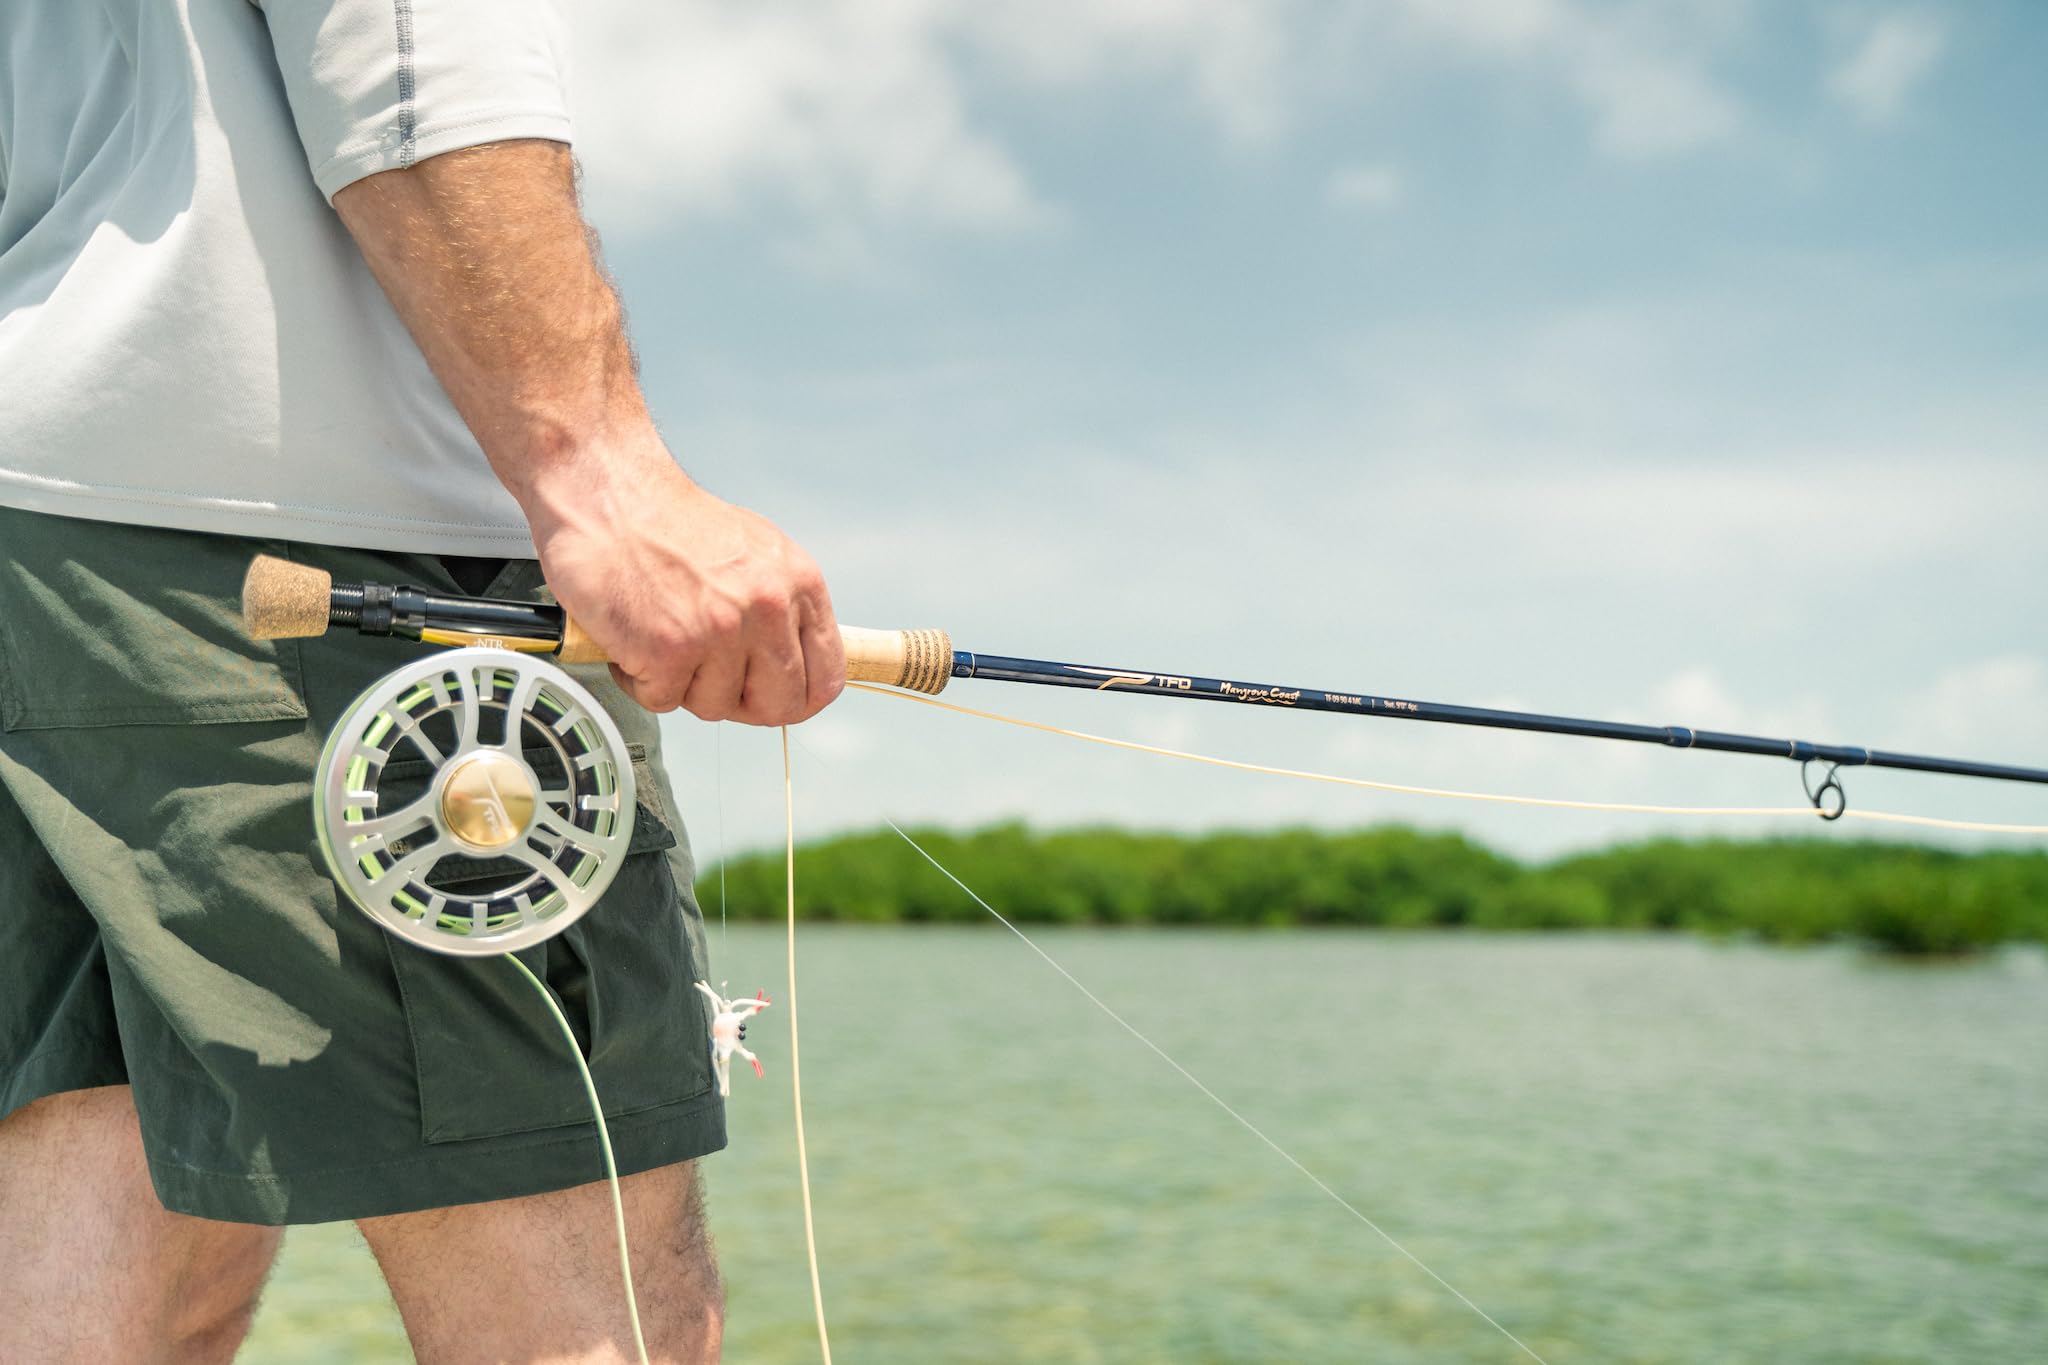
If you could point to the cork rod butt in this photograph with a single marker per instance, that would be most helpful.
(920, 660)
(282, 600)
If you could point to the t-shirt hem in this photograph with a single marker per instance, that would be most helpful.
(351, 164)
(265, 520)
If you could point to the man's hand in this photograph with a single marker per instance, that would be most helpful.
(699, 603)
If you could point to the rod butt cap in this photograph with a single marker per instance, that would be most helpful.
(283, 601)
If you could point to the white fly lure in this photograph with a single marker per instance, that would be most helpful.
(729, 1031)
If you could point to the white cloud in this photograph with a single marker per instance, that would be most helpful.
(1365, 188)
(849, 113)
(1233, 57)
(1700, 699)
(853, 116)
(1640, 70)
(1646, 104)
(1991, 706)
(1891, 56)
(851, 120)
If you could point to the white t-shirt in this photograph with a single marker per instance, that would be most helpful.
(188, 336)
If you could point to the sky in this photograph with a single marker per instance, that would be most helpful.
(1677, 362)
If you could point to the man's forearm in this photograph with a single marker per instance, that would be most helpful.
(486, 257)
(699, 603)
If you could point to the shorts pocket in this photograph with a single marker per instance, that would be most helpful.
(107, 624)
(490, 1059)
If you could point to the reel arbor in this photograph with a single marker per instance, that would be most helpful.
(475, 802)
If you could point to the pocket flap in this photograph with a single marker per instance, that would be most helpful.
(488, 1056)
(108, 624)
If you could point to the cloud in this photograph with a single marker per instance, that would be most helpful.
(1641, 71)
(1364, 188)
(1646, 104)
(1892, 55)
(1232, 59)
(845, 113)
(1986, 707)
(852, 117)
(848, 122)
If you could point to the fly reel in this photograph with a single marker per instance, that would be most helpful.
(475, 802)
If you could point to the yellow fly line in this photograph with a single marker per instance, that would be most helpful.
(796, 1083)
(1407, 789)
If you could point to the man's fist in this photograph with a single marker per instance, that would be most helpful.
(699, 603)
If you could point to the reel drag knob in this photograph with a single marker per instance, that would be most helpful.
(487, 800)
(475, 801)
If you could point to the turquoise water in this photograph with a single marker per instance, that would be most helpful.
(1624, 1149)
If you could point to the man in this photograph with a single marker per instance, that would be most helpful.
(303, 277)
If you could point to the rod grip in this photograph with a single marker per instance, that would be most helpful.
(919, 660)
(578, 647)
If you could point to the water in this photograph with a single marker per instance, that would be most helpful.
(1625, 1149)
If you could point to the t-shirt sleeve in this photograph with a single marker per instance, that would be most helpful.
(376, 85)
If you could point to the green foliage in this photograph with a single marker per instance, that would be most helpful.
(1904, 897)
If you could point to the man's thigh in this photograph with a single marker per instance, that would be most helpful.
(539, 1277)
(92, 1267)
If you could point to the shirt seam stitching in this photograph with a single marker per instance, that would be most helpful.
(408, 114)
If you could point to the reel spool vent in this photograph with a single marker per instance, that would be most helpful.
(475, 802)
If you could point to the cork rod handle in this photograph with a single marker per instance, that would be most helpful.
(919, 660)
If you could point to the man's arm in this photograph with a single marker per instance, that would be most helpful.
(700, 604)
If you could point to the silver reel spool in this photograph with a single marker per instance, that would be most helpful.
(475, 802)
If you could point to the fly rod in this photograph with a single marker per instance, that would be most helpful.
(283, 600)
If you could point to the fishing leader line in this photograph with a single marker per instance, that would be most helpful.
(1774, 812)
(1158, 1051)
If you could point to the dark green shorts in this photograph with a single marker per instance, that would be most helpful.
(166, 922)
